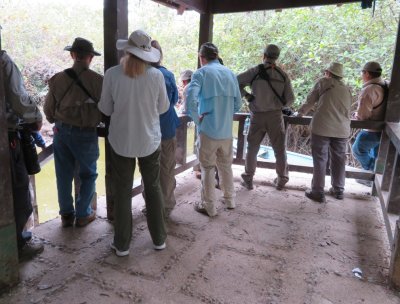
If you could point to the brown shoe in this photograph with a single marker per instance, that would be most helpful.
(280, 183)
(247, 181)
(317, 197)
(83, 221)
(67, 220)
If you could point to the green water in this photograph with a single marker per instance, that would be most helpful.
(46, 188)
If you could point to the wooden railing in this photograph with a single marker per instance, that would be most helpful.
(387, 189)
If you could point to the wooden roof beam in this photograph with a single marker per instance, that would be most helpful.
(236, 6)
(199, 6)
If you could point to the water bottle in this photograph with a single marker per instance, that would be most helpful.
(246, 126)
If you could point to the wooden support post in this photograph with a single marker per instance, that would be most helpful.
(206, 29)
(394, 269)
(393, 104)
(394, 191)
(388, 171)
(115, 27)
(380, 163)
(8, 238)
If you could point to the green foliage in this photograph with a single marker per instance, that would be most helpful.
(310, 39)
(36, 32)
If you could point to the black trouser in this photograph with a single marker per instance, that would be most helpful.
(20, 187)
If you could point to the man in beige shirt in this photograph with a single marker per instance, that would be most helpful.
(271, 90)
(371, 106)
(330, 129)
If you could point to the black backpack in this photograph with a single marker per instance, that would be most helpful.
(385, 98)
(262, 73)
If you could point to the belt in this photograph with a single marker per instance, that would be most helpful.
(68, 126)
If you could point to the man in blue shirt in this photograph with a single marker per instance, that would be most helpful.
(213, 97)
(169, 121)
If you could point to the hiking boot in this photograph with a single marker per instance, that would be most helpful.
(67, 220)
(364, 182)
(317, 197)
(30, 250)
(280, 183)
(119, 252)
(338, 194)
(247, 181)
(83, 221)
(199, 207)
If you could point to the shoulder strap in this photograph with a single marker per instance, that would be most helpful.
(385, 94)
(264, 75)
(71, 73)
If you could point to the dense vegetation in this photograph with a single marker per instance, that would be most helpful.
(35, 33)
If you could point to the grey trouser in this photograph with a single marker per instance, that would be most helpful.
(325, 148)
(270, 123)
(167, 174)
(123, 169)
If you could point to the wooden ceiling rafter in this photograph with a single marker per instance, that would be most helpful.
(182, 5)
(236, 6)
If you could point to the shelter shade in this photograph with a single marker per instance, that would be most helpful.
(235, 6)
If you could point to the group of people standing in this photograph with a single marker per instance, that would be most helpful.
(136, 100)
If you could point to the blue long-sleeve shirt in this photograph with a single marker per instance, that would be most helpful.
(214, 93)
(169, 120)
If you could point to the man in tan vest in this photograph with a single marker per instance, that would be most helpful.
(330, 129)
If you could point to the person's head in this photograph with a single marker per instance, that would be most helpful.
(186, 77)
(155, 44)
(371, 70)
(271, 53)
(334, 70)
(82, 51)
(138, 53)
(208, 52)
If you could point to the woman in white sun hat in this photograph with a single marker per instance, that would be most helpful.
(134, 96)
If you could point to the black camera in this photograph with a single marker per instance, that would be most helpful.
(249, 97)
(29, 150)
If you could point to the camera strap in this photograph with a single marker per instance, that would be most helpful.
(262, 73)
(71, 73)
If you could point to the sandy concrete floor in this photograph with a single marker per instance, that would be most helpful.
(275, 247)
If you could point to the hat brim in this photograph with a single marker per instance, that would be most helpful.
(72, 49)
(335, 73)
(153, 55)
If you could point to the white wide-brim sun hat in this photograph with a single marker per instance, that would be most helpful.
(139, 44)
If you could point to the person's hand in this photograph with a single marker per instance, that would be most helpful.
(34, 126)
(38, 125)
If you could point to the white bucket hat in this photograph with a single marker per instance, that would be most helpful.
(139, 44)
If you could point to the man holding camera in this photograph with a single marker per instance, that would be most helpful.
(271, 91)
(20, 109)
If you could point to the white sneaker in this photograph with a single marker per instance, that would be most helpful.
(118, 252)
(160, 247)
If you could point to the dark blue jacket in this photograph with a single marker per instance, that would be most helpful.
(169, 120)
